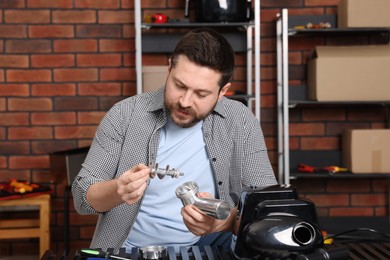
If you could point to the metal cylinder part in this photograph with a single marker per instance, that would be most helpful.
(213, 207)
(153, 252)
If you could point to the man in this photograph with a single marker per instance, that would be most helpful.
(189, 125)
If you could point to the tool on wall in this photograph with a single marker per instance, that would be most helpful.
(327, 169)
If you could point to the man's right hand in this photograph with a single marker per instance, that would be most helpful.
(132, 183)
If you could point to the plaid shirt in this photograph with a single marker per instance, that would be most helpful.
(129, 134)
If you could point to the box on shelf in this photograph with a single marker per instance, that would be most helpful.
(367, 150)
(363, 13)
(153, 77)
(349, 73)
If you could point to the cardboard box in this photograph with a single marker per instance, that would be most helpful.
(153, 77)
(363, 13)
(349, 73)
(367, 150)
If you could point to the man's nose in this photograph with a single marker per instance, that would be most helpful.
(186, 99)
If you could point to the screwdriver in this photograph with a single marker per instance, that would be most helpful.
(101, 254)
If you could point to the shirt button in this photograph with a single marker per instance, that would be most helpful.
(220, 183)
(214, 159)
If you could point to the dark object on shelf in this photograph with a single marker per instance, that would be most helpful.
(16, 189)
(275, 221)
(223, 11)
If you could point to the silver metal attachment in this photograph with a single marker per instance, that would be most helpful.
(153, 252)
(161, 172)
(216, 208)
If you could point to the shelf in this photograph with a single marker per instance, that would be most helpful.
(337, 31)
(299, 175)
(298, 96)
(243, 36)
(320, 158)
(190, 25)
(292, 96)
(165, 43)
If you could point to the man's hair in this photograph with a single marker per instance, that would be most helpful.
(207, 48)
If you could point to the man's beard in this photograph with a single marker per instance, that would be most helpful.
(194, 119)
(184, 123)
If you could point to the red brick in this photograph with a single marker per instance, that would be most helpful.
(27, 16)
(98, 31)
(74, 132)
(117, 74)
(348, 185)
(367, 114)
(323, 115)
(2, 104)
(99, 89)
(129, 89)
(379, 199)
(13, 31)
(17, 174)
(329, 199)
(108, 45)
(84, 143)
(46, 147)
(89, 4)
(63, 4)
(2, 133)
(338, 128)
(15, 148)
(3, 162)
(320, 143)
(127, 4)
(28, 75)
(76, 45)
(14, 61)
(27, 46)
(76, 103)
(9, 90)
(153, 4)
(51, 31)
(381, 211)
(380, 185)
(99, 60)
(29, 162)
(154, 59)
(74, 75)
(53, 118)
(52, 60)
(74, 16)
(30, 133)
(128, 31)
(30, 104)
(14, 119)
(128, 60)
(12, 4)
(53, 89)
(346, 212)
(88, 118)
(306, 129)
(321, 2)
(108, 17)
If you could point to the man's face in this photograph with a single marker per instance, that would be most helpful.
(191, 92)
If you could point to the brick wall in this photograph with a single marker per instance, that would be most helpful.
(63, 64)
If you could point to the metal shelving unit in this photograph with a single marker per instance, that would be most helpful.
(144, 43)
(288, 99)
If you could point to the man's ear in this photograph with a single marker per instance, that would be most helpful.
(224, 89)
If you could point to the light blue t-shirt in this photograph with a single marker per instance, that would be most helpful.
(159, 221)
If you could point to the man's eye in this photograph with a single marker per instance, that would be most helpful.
(202, 95)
